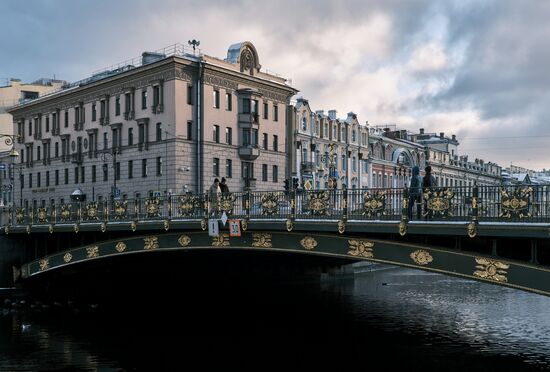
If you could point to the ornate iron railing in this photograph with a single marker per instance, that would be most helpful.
(525, 203)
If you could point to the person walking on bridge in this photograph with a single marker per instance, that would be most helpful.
(415, 193)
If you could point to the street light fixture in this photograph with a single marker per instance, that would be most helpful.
(331, 159)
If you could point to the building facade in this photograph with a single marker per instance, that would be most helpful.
(324, 144)
(453, 170)
(171, 124)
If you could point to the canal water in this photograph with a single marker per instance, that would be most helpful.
(396, 319)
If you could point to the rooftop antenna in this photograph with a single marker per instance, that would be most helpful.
(194, 43)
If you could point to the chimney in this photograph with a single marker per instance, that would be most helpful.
(454, 137)
(441, 135)
(332, 114)
(421, 130)
(320, 112)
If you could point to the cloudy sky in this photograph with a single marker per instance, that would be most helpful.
(477, 69)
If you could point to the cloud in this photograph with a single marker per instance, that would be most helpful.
(474, 68)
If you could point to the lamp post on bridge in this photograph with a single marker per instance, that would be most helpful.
(8, 140)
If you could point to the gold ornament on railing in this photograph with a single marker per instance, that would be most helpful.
(42, 215)
(270, 204)
(374, 204)
(91, 211)
(318, 203)
(120, 209)
(19, 215)
(152, 207)
(65, 212)
(438, 203)
(515, 203)
(226, 203)
(187, 205)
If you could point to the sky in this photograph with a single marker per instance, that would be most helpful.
(476, 69)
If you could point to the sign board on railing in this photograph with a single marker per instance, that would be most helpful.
(213, 227)
(234, 228)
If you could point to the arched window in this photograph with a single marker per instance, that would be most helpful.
(304, 124)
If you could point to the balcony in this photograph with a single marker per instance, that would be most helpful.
(77, 158)
(129, 115)
(157, 109)
(249, 120)
(104, 121)
(249, 183)
(249, 152)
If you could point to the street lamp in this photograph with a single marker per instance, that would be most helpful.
(331, 159)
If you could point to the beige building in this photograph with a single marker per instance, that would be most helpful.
(314, 133)
(169, 123)
(13, 92)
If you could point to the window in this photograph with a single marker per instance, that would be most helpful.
(353, 135)
(83, 174)
(216, 134)
(117, 171)
(47, 123)
(57, 177)
(325, 130)
(354, 164)
(159, 166)
(246, 105)
(228, 101)
(130, 169)
(94, 173)
(30, 180)
(228, 168)
(117, 106)
(189, 130)
(254, 106)
(127, 103)
(102, 109)
(66, 176)
(144, 99)
(38, 153)
(130, 136)
(105, 172)
(246, 137)
(275, 173)
(22, 180)
(189, 94)
(229, 136)
(275, 113)
(247, 170)
(38, 179)
(304, 124)
(264, 172)
(143, 167)
(156, 95)
(105, 141)
(216, 167)
(66, 121)
(159, 132)
(275, 143)
(94, 114)
(265, 142)
(334, 132)
(30, 127)
(266, 111)
(216, 99)
(344, 162)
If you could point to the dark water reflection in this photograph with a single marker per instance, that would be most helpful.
(397, 318)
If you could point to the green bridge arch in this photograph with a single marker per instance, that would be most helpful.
(470, 265)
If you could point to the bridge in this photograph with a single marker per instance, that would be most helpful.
(499, 235)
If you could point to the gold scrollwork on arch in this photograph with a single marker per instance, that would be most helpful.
(421, 257)
(308, 243)
(491, 269)
(262, 240)
(515, 203)
(184, 240)
(361, 248)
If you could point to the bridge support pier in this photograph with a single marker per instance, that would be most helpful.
(10, 257)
